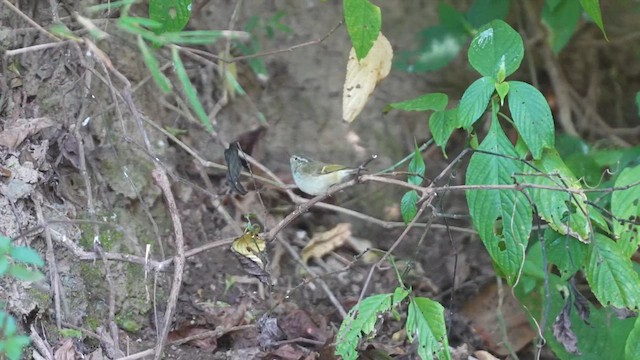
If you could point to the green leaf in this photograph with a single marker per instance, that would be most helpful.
(442, 124)
(4, 264)
(110, 6)
(399, 294)
(425, 321)
(26, 255)
(8, 325)
(439, 46)
(532, 117)
(611, 276)
(566, 213)
(561, 22)
(592, 7)
(638, 102)
(416, 167)
(364, 21)
(152, 64)
(24, 274)
(502, 217)
(409, 205)
(452, 19)
(565, 252)
(433, 101)
(593, 342)
(173, 15)
(189, 90)
(474, 101)
(71, 333)
(502, 89)
(13, 346)
(361, 320)
(632, 347)
(625, 205)
(496, 51)
(483, 11)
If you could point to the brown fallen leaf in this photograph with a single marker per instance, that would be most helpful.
(66, 351)
(481, 309)
(484, 355)
(14, 134)
(363, 76)
(325, 242)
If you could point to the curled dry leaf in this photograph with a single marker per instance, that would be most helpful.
(563, 332)
(363, 76)
(14, 134)
(323, 243)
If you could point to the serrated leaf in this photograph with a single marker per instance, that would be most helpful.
(399, 294)
(532, 117)
(625, 205)
(565, 252)
(442, 124)
(474, 101)
(416, 167)
(425, 322)
(24, 274)
(496, 51)
(611, 275)
(409, 205)
(27, 255)
(561, 21)
(173, 15)
(502, 217)
(592, 7)
(364, 22)
(566, 213)
(152, 64)
(189, 91)
(360, 320)
(593, 342)
(632, 346)
(433, 101)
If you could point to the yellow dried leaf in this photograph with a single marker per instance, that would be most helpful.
(325, 242)
(363, 76)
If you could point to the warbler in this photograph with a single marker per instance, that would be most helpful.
(315, 177)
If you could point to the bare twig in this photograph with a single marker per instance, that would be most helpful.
(30, 21)
(54, 277)
(162, 181)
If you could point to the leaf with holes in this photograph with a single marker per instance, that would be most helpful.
(361, 320)
(566, 211)
(173, 15)
(611, 276)
(625, 206)
(425, 322)
(502, 217)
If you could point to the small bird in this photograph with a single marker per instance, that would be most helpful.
(315, 177)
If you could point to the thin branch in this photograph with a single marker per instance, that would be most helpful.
(162, 181)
